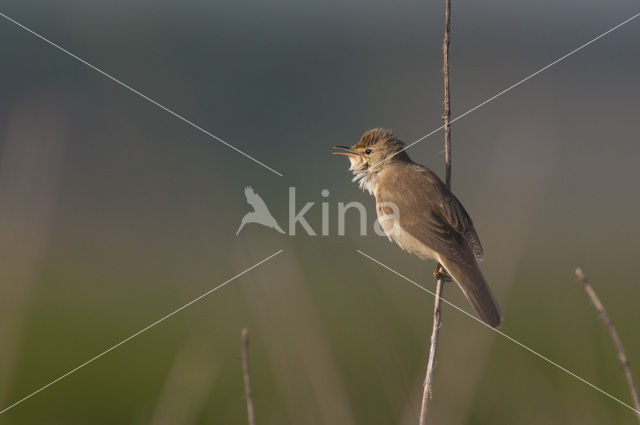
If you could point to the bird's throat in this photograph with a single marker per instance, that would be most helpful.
(367, 180)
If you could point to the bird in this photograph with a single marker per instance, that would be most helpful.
(260, 213)
(420, 214)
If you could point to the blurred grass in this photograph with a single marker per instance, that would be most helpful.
(376, 327)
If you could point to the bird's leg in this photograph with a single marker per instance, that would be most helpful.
(441, 273)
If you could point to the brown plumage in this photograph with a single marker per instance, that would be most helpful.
(430, 221)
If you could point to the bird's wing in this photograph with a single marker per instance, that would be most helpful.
(254, 199)
(459, 220)
(432, 214)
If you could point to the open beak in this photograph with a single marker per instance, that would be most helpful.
(347, 154)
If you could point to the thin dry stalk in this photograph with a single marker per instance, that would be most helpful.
(447, 103)
(428, 383)
(435, 333)
(622, 357)
(247, 376)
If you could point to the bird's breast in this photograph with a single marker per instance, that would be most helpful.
(390, 223)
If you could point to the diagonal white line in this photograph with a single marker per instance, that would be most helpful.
(114, 79)
(513, 86)
(532, 351)
(91, 360)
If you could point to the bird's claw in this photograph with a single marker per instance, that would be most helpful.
(441, 274)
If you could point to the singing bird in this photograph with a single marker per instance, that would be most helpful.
(429, 221)
(260, 213)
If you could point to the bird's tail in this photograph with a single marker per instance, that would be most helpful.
(477, 291)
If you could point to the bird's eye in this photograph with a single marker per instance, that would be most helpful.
(367, 152)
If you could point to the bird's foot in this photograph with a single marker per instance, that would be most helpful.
(441, 274)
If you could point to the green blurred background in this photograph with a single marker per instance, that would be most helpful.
(114, 213)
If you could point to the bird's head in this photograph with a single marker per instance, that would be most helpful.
(376, 149)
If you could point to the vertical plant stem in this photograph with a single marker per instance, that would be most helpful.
(617, 342)
(447, 103)
(247, 376)
(437, 317)
(428, 382)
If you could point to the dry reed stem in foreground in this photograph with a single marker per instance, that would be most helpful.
(622, 357)
(428, 382)
(435, 333)
(247, 376)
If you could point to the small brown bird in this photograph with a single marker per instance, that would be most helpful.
(417, 211)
